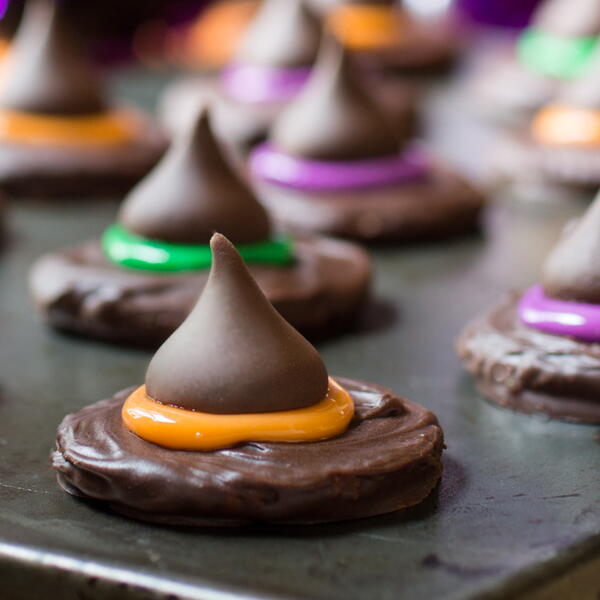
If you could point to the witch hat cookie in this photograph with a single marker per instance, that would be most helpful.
(559, 150)
(557, 48)
(335, 163)
(138, 283)
(58, 134)
(237, 391)
(538, 352)
(270, 67)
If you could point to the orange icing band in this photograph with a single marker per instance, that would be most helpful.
(181, 429)
(567, 126)
(362, 27)
(111, 128)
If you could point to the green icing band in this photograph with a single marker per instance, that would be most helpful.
(133, 251)
(553, 55)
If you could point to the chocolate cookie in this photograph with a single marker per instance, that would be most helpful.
(79, 290)
(438, 206)
(531, 371)
(238, 421)
(139, 282)
(387, 460)
(557, 48)
(58, 134)
(333, 164)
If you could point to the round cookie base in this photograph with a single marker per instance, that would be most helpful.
(534, 170)
(389, 459)
(530, 371)
(71, 172)
(441, 206)
(79, 291)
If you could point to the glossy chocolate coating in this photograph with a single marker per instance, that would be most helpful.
(78, 290)
(572, 269)
(194, 192)
(235, 353)
(46, 70)
(569, 18)
(440, 205)
(282, 35)
(333, 118)
(388, 459)
(530, 371)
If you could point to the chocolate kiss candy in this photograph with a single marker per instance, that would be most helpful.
(45, 71)
(194, 192)
(333, 118)
(234, 353)
(283, 34)
(572, 270)
(569, 19)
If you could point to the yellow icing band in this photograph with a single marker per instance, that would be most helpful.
(363, 27)
(111, 128)
(567, 126)
(180, 429)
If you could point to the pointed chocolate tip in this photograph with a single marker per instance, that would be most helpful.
(193, 192)
(46, 70)
(282, 35)
(572, 269)
(234, 353)
(333, 118)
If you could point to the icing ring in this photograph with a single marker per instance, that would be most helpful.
(135, 252)
(111, 128)
(180, 429)
(269, 164)
(254, 84)
(364, 27)
(567, 126)
(553, 55)
(560, 317)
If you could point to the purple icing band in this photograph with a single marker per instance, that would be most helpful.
(253, 84)
(277, 167)
(560, 317)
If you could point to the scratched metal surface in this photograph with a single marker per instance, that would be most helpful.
(518, 508)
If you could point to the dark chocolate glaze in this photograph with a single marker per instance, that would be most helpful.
(568, 18)
(281, 35)
(192, 193)
(333, 117)
(235, 353)
(46, 70)
(77, 290)
(572, 269)
(73, 172)
(441, 205)
(531, 371)
(388, 459)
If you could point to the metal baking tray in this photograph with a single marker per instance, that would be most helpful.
(517, 514)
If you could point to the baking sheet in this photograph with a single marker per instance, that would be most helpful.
(518, 508)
